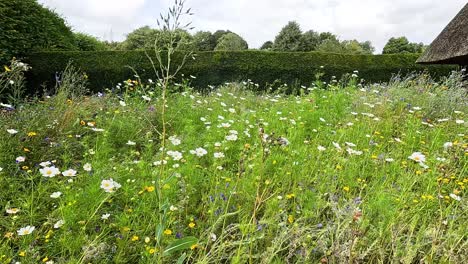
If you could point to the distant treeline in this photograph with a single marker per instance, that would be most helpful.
(28, 27)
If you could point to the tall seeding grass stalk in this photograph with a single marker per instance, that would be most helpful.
(165, 47)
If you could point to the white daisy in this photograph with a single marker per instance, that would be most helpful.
(59, 224)
(55, 195)
(69, 173)
(12, 131)
(87, 167)
(418, 157)
(26, 230)
(49, 171)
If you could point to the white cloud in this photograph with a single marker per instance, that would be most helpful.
(260, 20)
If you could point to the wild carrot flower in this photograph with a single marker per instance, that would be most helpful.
(199, 152)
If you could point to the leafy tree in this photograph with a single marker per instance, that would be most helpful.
(204, 41)
(26, 26)
(145, 38)
(85, 42)
(367, 46)
(140, 38)
(289, 38)
(356, 47)
(231, 41)
(328, 35)
(332, 46)
(267, 45)
(219, 33)
(112, 45)
(402, 45)
(181, 39)
(309, 41)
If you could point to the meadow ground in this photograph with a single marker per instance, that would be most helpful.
(340, 174)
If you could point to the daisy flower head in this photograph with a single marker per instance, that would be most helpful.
(49, 172)
(110, 185)
(87, 167)
(231, 137)
(105, 216)
(12, 131)
(26, 230)
(448, 145)
(55, 195)
(45, 164)
(20, 159)
(417, 157)
(12, 210)
(455, 197)
(59, 224)
(69, 173)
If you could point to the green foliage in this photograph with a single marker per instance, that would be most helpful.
(85, 42)
(346, 47)
(26, 26)
(140, 38)
(231, 42)
(289, 38)
(402, 45)
(204, 41)
(268, 45)
(356, 47)
(107, 68)
(219, 33)
(310, 40)
(331, 46)
(146, 37)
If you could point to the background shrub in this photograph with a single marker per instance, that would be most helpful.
(107, 68)
(26, 26)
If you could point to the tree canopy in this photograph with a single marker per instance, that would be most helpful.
(402, 45)
(85, 42)
(26, 26)
(231, 41)
(289, 38)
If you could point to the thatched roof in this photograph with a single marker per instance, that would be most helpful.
(451, 46)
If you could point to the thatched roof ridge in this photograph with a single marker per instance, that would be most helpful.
(451, 46)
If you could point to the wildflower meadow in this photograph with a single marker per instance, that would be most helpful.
(158, 170)
(339, 172)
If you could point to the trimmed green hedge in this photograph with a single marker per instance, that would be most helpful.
(107, 68)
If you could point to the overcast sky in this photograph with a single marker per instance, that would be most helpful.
(260, 20)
